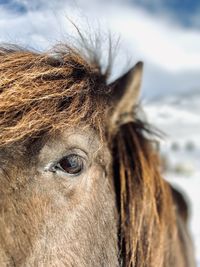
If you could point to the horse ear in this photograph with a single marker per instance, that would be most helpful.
(125, 94)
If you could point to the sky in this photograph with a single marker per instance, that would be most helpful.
(165, 34)
(185, 12)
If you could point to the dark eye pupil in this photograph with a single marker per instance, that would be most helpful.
(71, 164)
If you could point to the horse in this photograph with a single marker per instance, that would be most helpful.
(80, 178)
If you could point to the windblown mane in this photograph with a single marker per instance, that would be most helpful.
(48, 91)
(147, 223)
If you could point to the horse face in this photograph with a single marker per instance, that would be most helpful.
(57, 199)
(58, 206)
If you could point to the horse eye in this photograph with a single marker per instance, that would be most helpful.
(72, 164)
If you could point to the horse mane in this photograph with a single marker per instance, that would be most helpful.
(45, 92)
(148, 228)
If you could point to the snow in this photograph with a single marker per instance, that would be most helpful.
(179, 117)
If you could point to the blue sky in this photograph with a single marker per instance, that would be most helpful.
(180, 10)
(165, 34)
(13, 6)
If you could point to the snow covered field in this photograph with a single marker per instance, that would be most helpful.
(179, 118)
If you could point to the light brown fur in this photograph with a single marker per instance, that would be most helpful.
(119, 211)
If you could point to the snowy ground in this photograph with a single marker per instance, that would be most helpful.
(179, 118)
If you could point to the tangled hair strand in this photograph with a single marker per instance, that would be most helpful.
(48, 92)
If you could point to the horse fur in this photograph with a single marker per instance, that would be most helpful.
(41, 95)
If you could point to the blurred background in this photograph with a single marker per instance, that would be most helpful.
(165, 34)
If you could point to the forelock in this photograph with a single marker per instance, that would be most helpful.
(46, 92)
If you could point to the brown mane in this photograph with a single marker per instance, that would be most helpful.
(46, 92)
(148, 230)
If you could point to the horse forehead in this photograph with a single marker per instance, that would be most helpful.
(79, 134)
(78, 137)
